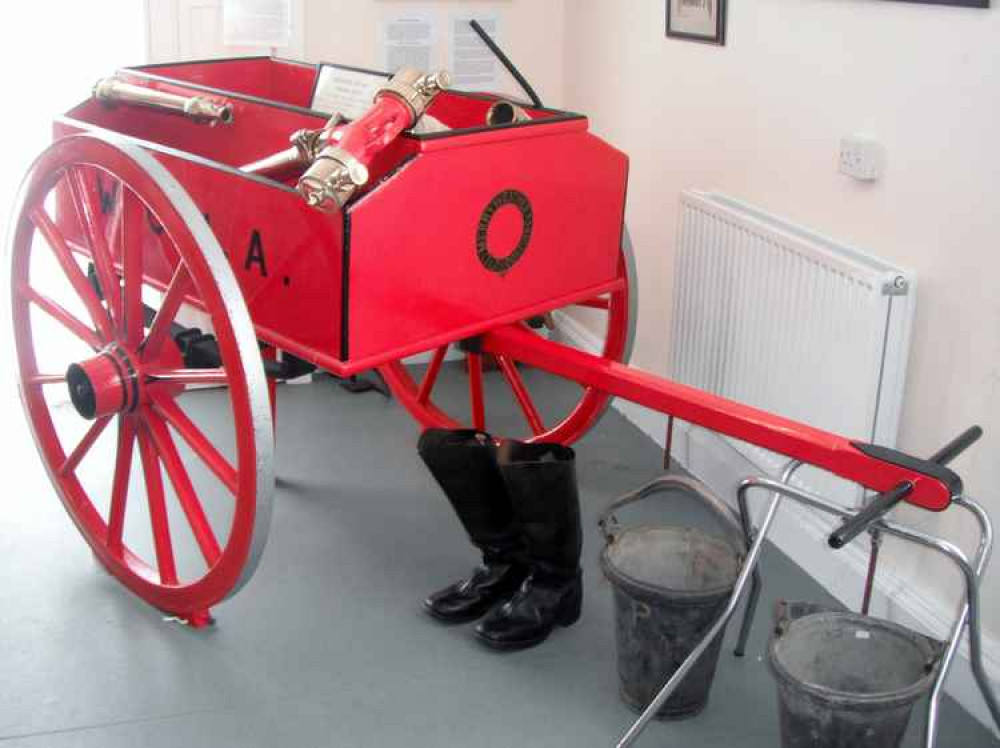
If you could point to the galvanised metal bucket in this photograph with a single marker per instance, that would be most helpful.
(670, 585)
(847, 680)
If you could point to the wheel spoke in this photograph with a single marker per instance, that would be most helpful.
(157, 509)
(60, 315)
(98, 244)
(181, 481)
(188, 376)
(180, 286)
(40, 379)
(119, 485)
(513, 377)
(71, 462)
(597, 303)
(475, 363)
(130, 238)
(192, 435)
(433, 369)
(61, 250)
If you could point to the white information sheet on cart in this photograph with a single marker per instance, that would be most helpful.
(346, 91)
(257, 23)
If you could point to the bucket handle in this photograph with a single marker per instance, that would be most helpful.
(727, 516)
(788, 611)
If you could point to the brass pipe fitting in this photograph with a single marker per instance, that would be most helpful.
(415, 89)
(198, 108)
(306, 147)
(506, 112)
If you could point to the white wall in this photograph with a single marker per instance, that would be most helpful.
(349, 32)
(50, 68)
(761, 119)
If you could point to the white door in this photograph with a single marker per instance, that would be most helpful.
(192, 30)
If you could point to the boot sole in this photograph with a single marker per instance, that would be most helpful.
(514, 645)
(510, 646)
(452, 620)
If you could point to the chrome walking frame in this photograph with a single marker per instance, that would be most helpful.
(968, 615)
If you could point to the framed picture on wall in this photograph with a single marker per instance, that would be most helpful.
(699, 20)
(959, 3)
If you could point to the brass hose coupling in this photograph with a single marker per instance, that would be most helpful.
(336, 174)
(332, 179)
(415, 89)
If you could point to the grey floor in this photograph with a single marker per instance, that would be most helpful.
(327, 645)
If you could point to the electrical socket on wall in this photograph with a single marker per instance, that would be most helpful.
(861, 157)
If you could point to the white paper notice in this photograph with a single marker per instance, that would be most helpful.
(409, 41)
(473, 66)
(349, 92)
(257, 23)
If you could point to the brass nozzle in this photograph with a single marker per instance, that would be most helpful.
(198, 108)
(333, 179)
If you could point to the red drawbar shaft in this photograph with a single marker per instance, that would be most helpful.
(799, 441)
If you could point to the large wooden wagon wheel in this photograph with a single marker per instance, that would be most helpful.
(187, 542)
(613, 312)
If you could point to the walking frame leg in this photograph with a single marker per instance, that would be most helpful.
(750, 613)
(955, 638)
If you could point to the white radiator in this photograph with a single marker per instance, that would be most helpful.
(783, 319)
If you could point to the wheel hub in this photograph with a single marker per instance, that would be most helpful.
(103, 385)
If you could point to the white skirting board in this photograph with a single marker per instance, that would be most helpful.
(801, 535)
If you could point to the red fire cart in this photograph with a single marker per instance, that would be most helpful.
(176, 241)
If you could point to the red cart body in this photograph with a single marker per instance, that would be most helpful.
(458, 231)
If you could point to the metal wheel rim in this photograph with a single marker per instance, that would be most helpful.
(248, 389)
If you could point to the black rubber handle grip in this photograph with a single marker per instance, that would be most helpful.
(874, 511)
(883, 503)
(956, 446)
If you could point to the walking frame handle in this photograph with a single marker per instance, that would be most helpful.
(885, 502)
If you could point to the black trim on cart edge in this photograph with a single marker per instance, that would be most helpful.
(203, 61)
(165, 149)
(494, 128)
(559, 115)
(211, 60)
(345, 288)
(226, 94)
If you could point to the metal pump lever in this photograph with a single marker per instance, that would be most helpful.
(885, 502)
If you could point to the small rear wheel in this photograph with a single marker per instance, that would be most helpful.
(612, 315)
(134, 441)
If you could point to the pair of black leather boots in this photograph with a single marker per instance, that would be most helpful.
(520, 506)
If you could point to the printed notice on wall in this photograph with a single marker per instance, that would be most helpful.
(409, 41)
(344, 91)
(473, 66)
(257, 23)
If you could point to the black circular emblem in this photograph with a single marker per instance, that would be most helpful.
(502, 264)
